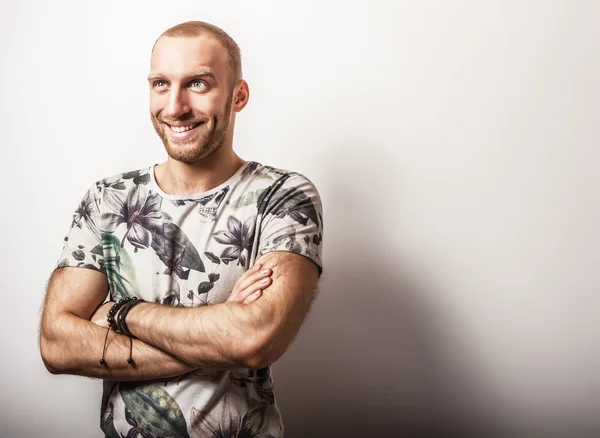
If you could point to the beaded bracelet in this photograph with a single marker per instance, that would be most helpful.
(113, 311)
(119, 325)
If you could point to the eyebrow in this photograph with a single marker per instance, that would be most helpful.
(196, 74)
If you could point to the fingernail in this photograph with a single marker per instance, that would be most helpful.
(264, 281)
(265, 271)
(254, 294)
(257, 267)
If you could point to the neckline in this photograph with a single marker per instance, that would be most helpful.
(232, 179)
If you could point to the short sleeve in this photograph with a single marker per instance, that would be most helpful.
(83, 245)
(291, 219)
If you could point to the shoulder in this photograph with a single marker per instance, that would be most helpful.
(275, 178)
(289, 193)
(117, 185)
(124, 180)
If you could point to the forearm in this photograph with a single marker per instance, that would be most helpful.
(72, 345)
(220, 336)
(231, 335)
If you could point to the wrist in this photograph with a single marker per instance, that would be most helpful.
(132, 317)
(123, 315)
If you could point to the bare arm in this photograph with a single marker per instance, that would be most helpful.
(232, 335)
(71, 344)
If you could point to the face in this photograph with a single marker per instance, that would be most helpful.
(190, 96)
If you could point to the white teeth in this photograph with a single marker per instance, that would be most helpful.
(180, 129)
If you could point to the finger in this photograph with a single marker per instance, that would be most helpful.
(254, 269)
(236, 287)
(253, 297)
(253, 288)
(245, 282)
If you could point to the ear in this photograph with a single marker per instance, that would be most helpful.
(241, 96)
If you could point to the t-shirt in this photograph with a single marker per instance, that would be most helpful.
(189, 250)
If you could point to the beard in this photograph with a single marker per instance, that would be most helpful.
(209, 138)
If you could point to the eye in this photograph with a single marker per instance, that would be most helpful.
(197, 83)
(159, 85)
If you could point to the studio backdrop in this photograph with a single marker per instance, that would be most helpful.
(455, 148)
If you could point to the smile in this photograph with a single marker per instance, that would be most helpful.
(180, 129)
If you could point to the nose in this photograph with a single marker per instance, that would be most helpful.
(177, 104)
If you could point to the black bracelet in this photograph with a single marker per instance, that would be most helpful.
(113, 311)
(112, 324)
(121, 323)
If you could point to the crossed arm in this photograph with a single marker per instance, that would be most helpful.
(172, 341)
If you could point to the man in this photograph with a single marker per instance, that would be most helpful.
(223, 254)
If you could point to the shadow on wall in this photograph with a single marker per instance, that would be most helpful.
(375, 357)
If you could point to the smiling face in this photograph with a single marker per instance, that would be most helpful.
(191, 96)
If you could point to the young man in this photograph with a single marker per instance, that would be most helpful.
(223, 254)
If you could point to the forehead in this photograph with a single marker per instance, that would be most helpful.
(178, 56)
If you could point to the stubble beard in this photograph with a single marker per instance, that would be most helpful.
(206, 142)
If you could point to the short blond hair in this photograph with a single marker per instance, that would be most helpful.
(196, 28)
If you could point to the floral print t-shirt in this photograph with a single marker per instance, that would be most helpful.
(189, 250)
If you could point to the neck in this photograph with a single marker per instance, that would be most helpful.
(178, 178)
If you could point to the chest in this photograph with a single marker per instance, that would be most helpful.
(184, 256)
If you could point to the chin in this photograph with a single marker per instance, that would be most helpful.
(188, 153)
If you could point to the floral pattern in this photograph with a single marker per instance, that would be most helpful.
(239, 239)
(139, 210)
(225, 421)
(181, 251)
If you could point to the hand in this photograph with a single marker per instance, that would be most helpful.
(246, 290)
(99, 317)
(249, 286)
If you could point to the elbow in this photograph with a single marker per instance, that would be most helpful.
(261, 353)
(50, 357)
(258, 361)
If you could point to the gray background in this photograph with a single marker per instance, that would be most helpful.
(455, 146)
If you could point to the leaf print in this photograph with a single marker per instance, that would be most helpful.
(204, 287)
(225, 421)
(176, 251)
(136, 429)
(85, 213)
(63, 263)
(250, 170)
(120, 185)
(78, 255)
(141, 179)
(240, 238)
(213, 278)
(292, 202)
(247, 199)
(154, 410)
(119, 268)
(113, 182)
(132, 174)
(213, 258)
(97, 250)
(139, 209)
